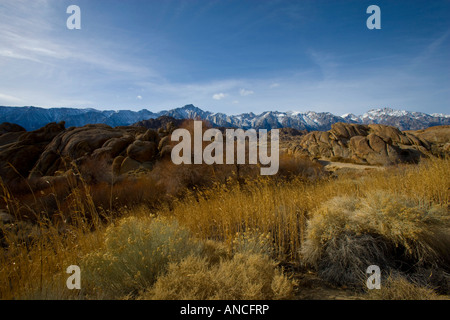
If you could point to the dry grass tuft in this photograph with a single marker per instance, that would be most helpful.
(346, 235)
(136, 251)
(244, 277)
(398, 288)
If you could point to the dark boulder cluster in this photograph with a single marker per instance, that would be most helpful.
(53, 149)
(21, 150)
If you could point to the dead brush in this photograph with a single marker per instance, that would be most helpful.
(135, 252)
(397, 287)
(248, 276)
(292, 166)
(346, 235)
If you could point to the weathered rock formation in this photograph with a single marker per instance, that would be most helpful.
(20, 150)
(53, 149)
(373, 144)
(438, 137)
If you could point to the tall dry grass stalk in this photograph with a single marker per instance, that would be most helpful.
(36, 253)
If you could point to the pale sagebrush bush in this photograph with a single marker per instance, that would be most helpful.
(422, 230)
(244, 277)
(136, 251)
(399, 288)
(433, 277)
(346, 235)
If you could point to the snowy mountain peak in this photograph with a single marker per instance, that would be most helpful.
(33, 118)
(386, 112)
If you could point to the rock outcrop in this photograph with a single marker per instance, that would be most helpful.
(373, 144)
(165, 122)
(18, 155)
(53, 149)
(78, 143)
(438, 137)
(7, 127)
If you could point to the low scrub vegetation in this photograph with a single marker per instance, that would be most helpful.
(225, 233)
(346, 235)
(135, 253)
(399, 288)
(247, 276)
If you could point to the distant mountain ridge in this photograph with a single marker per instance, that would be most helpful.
(32, 118)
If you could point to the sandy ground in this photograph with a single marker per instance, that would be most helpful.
(333, 166)
(311, 287)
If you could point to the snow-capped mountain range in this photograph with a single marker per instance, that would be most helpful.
(32, 118)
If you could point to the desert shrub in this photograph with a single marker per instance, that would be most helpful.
(244, 277)
(215, 251)
(297, 166)
(346, 235)
(399, 288)
(129, 191)
(136, 251)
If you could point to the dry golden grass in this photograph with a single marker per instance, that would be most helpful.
(135, 252)
(36, 269)
(398, 288)
(36, 253)
(272, 208)
(412, 213)
(282, 208)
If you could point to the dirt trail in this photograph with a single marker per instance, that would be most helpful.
(333, 166)
(311, 287)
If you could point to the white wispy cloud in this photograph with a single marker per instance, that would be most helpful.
(45, 64)
(430, 49)
(219, 96)
(326, 62)
(244, 92)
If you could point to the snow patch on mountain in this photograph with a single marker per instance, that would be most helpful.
(32, 118)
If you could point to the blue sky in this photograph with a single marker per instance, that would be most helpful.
(226, 55)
